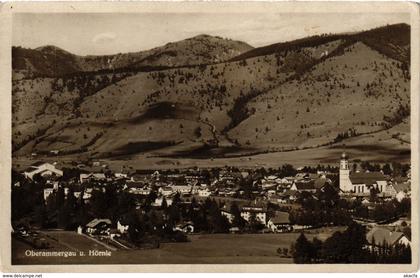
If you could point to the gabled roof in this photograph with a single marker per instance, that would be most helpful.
(305, 185)
(379, 235)
(368, 178)
(289, 193)
(321, 182)
(96, 221)
(39, 163)
(93, 175)
(404, 186)
(280, 217)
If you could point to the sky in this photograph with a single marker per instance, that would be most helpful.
(101, 34)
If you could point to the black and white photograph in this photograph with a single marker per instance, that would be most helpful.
(212, 138)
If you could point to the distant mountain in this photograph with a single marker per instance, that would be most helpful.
(231, 100)
(51, 61)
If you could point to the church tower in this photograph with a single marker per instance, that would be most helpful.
(345, 183)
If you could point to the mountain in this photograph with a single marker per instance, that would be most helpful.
(317, 93)
(392, 40)
(51, 61)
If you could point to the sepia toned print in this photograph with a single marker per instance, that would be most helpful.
(213, 138)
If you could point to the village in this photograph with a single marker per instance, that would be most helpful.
(141, 209)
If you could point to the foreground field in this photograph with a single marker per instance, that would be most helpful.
(202, 249)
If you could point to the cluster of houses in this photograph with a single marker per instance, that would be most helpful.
(272, 188)
(191, 183)
(285, 190)
(275, 189)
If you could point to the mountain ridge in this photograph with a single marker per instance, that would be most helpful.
(281, 101)
(38, 60)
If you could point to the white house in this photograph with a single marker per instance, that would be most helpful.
(203, 192)
(139, 191)
(44, 169)
(158, 202)
(259, 212)
(187, 227)
(182, 189)
(120, 175)
(122, 227)
(229, 216)
(48, 192)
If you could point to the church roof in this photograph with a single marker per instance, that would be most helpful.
(367, 178)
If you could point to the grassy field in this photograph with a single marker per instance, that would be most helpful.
(202, 249)
(385, 150)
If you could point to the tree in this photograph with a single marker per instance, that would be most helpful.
(238, 221)
(197, 132)
(303, 250)
(346, 247)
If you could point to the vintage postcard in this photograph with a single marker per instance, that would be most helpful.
(210, 136)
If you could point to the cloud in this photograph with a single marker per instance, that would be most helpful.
(104, 38)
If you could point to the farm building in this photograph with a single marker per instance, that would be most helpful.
(43, 169)
(380, 236)
(98, 226)
(279, 222)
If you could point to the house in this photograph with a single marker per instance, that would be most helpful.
(122, 225)
(98, 226)
(165, 191)
(44, 169)
(48, 192)
(260, 213)
(187, 227)
(380, 236)
(139, 191)
(226, 213)
(203, 192)
(308, 186)
(279, 222)
(92, 176)
(277, 199)
(289, 195)
(121, 175)
(182, 189)
(321, 182)
(159, 201)
(400, 190)
(87, 193)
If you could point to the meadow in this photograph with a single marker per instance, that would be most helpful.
(202, 249)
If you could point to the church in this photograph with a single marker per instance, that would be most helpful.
(360, 183)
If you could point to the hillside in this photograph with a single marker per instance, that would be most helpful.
(314, 93)
(51, 61)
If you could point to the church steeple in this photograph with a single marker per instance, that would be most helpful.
(344, 162)
(345, 183)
